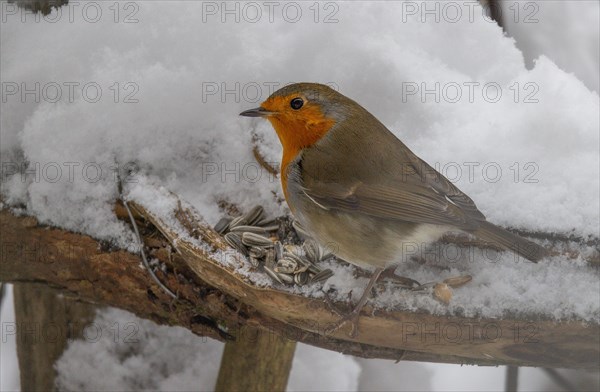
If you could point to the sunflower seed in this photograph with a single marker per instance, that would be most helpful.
(314, 269)
(249, 229)
(326, 254)
(303, 263)
(252, 239)
(458, 281)
(278, 250)
(312, 250)
(301, 279)
(237, 221)
(304, 268)
(271, 228)
(235, 241)
(254, 216)
(223, 225)
(297, 259)
(257, 253)
(273, 275)
(269, 224)
(321, 276)
(289, 279)
(270, 258)
(286, 266)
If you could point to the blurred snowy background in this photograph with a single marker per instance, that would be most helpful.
(100, 84)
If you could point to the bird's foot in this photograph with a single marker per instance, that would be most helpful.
(352, 318)
(354, 315)
(345, 318)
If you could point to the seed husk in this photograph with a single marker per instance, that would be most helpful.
(289, 279)
(312, 251)
(286, 265)
(314, 269)
(458, 281)
(235, 241)
(254, 216)
(297, 259)
(222, 225)
(327, 254)
(295, 249)
(257, 253)
(249, 229)
(301, 279)
(321, 276)
(269, 224)
(304, 268)
(270, 258)
(278, 250)
(273, 275)
(442, 292)
(252, 239)
(237, 221)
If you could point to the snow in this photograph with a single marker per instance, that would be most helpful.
(138, 354)
(503, 284)
(130, 353)
(190, 141)
(566, 31)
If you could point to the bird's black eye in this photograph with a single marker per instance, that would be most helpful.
(296, 103)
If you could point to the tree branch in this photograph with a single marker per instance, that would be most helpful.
(217, 302)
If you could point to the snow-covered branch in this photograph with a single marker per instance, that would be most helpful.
(216, 300)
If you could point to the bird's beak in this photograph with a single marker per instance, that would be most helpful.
(256, 112)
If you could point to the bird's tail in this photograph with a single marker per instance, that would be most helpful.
(497, 235)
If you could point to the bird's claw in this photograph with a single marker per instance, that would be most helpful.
(345, 317)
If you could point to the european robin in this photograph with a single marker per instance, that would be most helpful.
(351, 183)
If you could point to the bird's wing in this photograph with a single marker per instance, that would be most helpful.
(419, 195)
(391, 201)
(429, 177)
(386, 180)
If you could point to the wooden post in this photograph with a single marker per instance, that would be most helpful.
(46, 322)
(256, 361)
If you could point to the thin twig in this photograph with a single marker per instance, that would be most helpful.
(144, 259)
(139, 238)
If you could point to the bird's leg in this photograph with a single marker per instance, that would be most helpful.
(404, 282)
(354, 315)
